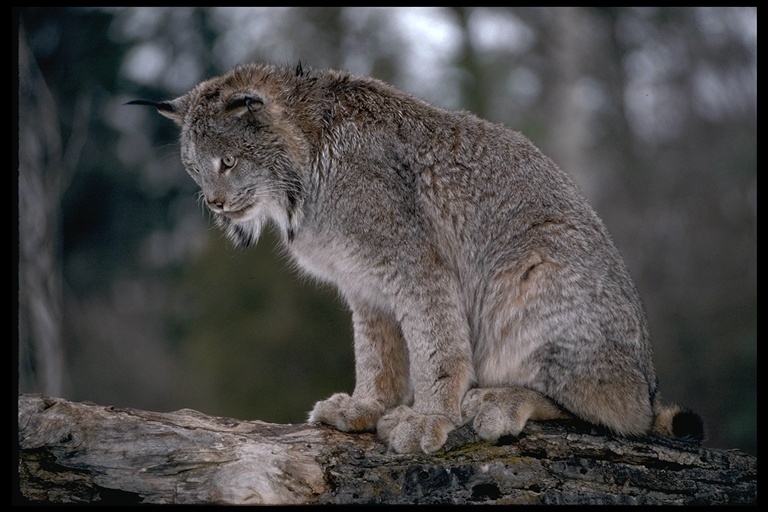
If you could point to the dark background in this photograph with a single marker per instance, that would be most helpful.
(129, 297)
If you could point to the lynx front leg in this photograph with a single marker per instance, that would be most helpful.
(505, 411)
(381, 375)
(441, 372)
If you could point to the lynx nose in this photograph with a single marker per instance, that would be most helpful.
(215, 203)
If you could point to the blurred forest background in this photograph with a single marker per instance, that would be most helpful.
(128, 296)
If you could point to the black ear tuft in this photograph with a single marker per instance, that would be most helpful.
(173, 110)
(162, 106)
(299, 69)
(688, 425)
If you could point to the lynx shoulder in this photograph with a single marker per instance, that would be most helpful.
(482, 285)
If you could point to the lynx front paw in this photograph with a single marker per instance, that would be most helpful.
(346, 413)
(407, 431)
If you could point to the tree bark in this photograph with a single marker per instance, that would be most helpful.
(87, 453)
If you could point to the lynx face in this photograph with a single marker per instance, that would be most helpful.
(243, 154)
(241, 192)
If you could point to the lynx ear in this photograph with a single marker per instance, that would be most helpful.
(173, 110)
(241, 104)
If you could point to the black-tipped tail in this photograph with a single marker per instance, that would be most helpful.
(674, 421)
(688, 425)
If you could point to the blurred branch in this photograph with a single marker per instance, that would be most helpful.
(82, 452)
(77, 140)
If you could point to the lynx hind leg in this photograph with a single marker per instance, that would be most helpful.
(346, 413)
(505, 411)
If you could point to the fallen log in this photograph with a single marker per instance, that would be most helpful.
(86, 453)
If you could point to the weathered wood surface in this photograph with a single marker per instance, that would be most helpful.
(82, 452)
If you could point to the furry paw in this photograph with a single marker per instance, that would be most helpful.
(491, 420)
(346, 413)
(407, 431)
(505, 411)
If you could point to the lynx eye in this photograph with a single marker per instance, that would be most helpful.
(228, 162)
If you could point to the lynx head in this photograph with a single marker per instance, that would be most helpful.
(241, 144)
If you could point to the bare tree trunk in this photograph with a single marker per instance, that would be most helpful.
(41, 357)
(571, 48)
(86, 453)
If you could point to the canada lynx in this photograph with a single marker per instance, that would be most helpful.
(482, 286)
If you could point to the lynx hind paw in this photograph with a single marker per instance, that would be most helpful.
(492, 418)
(407, 431)
(505, 411)
(346, 413)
